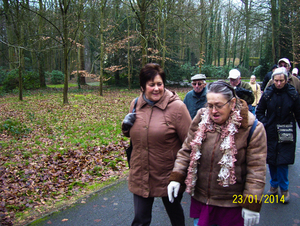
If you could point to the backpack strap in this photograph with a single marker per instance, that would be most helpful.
(136, 99)
(251, 131)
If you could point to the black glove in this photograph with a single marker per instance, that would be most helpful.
(241, 91)
(128, 121)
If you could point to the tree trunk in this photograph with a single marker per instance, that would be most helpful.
(10, 35)
(128, 54)
(143, 31)
(64, 10)
(40, 53)
(82, 80)
(103, 6)
(247, 19)
(203, 25)
(141, 12)
(273, 13)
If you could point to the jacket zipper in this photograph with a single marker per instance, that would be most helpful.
(211, 168)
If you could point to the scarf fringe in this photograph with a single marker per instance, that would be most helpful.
(226, 174)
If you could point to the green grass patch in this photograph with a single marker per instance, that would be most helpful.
(59, 86)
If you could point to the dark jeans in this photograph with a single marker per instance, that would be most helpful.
(279, 177)
(143, 210)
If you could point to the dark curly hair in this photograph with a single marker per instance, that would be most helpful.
(148, 72)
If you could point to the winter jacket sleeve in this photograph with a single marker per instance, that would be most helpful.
(248, 98)
(266, 80)
(256, 169)
(183, 121)
(261, 110)
(296, 110)
(183, 156)
(125, 131)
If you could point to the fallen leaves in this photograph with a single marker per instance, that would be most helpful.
(56, 176)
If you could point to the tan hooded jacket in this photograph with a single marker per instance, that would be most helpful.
(250, 167)
(157, 135)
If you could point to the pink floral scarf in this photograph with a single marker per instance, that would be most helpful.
(226, 175)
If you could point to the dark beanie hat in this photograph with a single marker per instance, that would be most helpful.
(274, 66)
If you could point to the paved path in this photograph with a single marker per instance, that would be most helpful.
(113, 206)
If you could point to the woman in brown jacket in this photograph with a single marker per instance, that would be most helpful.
(224, 174)
(158, 130)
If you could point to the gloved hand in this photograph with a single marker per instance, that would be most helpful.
(128, 121)
(241, 91)
(250, 217)
(173, 187)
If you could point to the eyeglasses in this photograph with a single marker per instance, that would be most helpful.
(195, 83)
(283, 65)
(217, 107)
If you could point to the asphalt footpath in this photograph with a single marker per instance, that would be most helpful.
(113, 206)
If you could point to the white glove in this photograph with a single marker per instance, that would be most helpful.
(173, 187)
(250, 217)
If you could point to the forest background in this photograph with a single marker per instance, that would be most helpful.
(112, 39)
(53, 148)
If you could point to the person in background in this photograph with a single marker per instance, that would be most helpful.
(157, 131)
(267, 78)
(284, 62)
(256, 92)
(295, 73)
(218, 165)
(196, 98)
(280, 105)
(243, 89)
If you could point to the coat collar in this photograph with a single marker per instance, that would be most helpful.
(244, 113)
(168, 97)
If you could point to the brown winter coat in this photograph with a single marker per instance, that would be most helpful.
(157, 135)
(250, 167)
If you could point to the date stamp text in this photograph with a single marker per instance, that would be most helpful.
(239, 199)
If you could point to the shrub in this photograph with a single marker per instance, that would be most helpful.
(11, 80)
(14, 127)
(57, 77)
(31, 80)
(2, 75)
(172, 71)
(187, 70)
(176, 73)
(244, 72)
(211, 71)
(257, 71)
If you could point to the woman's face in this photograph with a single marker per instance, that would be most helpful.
(155, 89)
(219, 107)
(279, 81)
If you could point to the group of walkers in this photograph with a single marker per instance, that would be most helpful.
(214, 145)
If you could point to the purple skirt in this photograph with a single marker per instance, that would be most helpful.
(221, 216)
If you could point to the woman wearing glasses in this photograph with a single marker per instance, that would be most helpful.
(224, 174)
